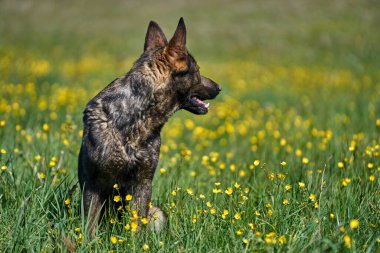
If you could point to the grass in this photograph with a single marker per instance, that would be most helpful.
(287, 159)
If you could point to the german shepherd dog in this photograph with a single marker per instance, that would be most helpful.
(122, 124)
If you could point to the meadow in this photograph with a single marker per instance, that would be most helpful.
(286, 160)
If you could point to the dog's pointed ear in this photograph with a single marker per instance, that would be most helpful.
(176, 51)
(154, 37)
(178, 41)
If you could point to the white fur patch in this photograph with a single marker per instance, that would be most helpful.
(157, 219)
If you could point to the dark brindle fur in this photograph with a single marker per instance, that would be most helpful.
(122, 124)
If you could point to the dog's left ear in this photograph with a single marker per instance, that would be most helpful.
(178, 42)
(154, 37)
(176, 51)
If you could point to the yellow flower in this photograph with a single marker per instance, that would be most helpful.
(162, 171)
(301, 185)
(45, 127)
(237, 216)
(345, 181)
(128, 197)
(212, 210)
(340, 165)
(371, 178)
(282, 239)
(217, 183)
(134, 226)
(370, 165)
(116, 186)
(202, 196)
(332, 216)
(144, 221)
(256, 163)
(225, 213)
(312, 197)
(52, 163)
(194, 218)
(354, 223)
(37, 158)
(41, 175)
(305, 160)
(4, 168)
(239, 232)
(66, 142)
(116, 198)
(193, 173)
(67, 201)
(216, 191)
(3, 151)
(245, 241)
(80, 238)
(288, 187)
(189, 191)
(229, 191)
(298, 152)
(283, 163)
(285, 202)
(347, 241)
(2, 123)
(236, 185)
(145, 247)
(209, 204)
(113, 239)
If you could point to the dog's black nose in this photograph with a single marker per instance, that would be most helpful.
(218, 87)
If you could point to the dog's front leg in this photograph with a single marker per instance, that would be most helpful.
(142, 194)
(92, 204)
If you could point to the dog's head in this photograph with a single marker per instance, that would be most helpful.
(178, 69)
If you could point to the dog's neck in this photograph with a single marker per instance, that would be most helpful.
(145, 110)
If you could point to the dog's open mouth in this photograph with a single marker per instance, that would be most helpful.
(198, 102)
(196, 105)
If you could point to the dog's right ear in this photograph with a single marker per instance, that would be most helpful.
(154, 37)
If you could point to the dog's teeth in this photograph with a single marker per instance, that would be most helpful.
(207, 105)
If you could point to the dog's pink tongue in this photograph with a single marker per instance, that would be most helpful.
(200, 102)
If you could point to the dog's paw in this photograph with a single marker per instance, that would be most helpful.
(157, 219)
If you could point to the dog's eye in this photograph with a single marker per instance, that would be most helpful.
(181, 73)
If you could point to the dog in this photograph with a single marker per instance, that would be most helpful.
(122, 124)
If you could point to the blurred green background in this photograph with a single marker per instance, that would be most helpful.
(332, 32)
